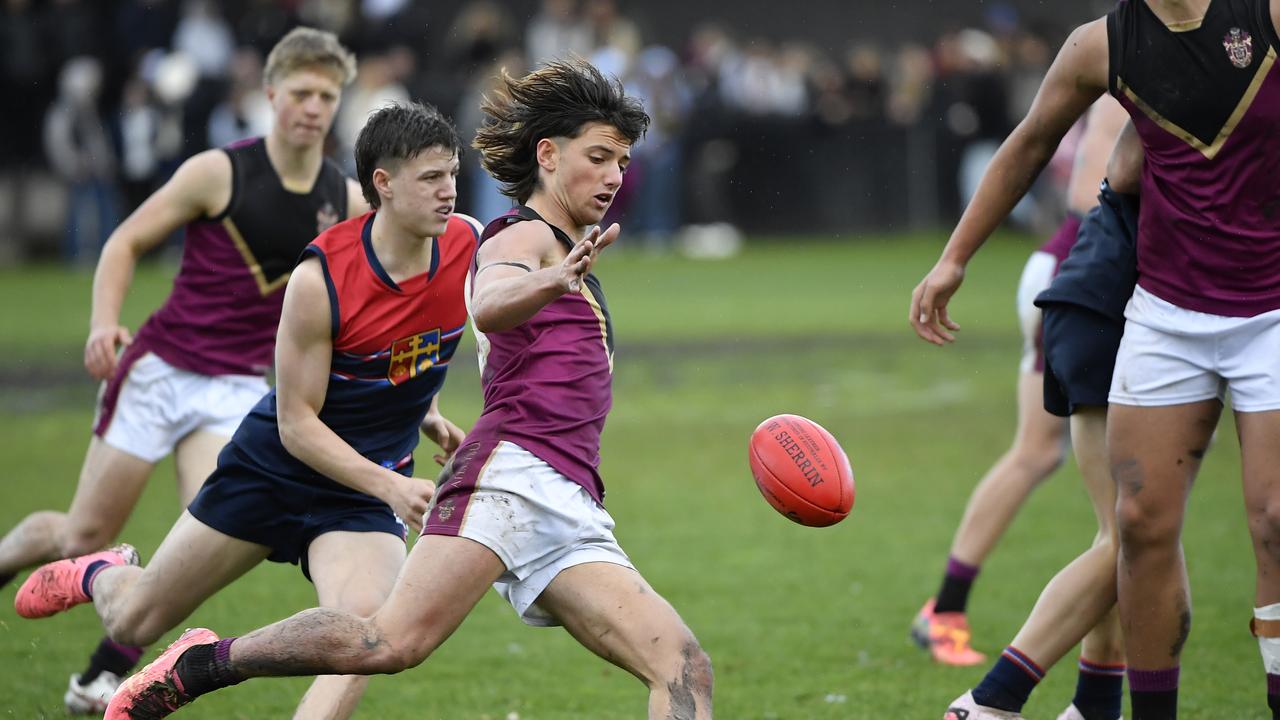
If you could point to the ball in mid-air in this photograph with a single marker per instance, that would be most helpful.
(801, 470)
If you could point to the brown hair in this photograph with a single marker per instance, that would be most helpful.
(555, 101)
(306, 47)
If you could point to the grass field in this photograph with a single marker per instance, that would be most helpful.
(801, 623)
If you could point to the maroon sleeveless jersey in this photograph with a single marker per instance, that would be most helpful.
(221, 317)
(548, 384)
(1205, 99)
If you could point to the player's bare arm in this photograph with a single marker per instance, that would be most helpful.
(304, 351)
(1124, 167)
(523, 268)
(1077, 77)
(200, 187)
(441, 431)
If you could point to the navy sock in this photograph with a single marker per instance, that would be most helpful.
(6, 578)
(205, 668)
(953, 596)
(86, 583)
(112, 657)
(1099, 691)
(1273, 695)
(1009, 682)
(1154, 693)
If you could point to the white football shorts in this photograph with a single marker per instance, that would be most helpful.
(1037, 274)
(1171, 355)
(158, 405)
(538, 522)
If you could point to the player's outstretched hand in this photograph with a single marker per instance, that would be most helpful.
(929, 315)
(100, 350)
(409, 500)
(440, 431)
(578, 262)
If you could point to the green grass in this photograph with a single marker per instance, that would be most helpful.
(800, 623)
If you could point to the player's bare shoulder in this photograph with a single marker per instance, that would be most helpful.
(203, 181)
(1086, 52)
(532, 243)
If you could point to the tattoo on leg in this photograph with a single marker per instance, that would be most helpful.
(686, 688)
(1184, 629)
(1129, 477)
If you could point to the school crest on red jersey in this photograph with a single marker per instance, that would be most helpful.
(413, 355)
(325, 217)
(1239, 45)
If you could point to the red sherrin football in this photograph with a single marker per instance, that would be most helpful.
(801, 470)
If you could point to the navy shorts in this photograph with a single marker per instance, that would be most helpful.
(246, 502)
(1080, 348)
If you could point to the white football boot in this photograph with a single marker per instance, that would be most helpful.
(966, 708)
(1071, 713)
(90, 699)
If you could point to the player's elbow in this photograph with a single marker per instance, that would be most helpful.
(488, 319)
(292, 434)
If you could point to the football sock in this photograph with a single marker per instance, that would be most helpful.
(1154, 693)
(1099, 690)
(6, 578)
(95, 567)
(1273, 695)
(953, 596)
(111, 657)
(205, 668)
(1009, 682)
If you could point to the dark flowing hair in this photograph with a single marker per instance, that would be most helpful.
(395, 133)
(555, 101)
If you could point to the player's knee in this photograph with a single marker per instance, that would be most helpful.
(685, 670)
(81, 539)
(1040, 458)
(1143, 525)
(393, 650)
(129, 625)
(1264, 522)
(693, 674)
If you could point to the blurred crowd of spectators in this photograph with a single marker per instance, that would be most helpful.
(115, 94)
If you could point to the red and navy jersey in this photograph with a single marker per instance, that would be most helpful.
(392, 344)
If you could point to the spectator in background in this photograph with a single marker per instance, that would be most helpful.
(78, 147)
(483, 197)
(205, 37)
(655, 212)
(246, 111)
(866, 83)
(379, 82)
(556, 32)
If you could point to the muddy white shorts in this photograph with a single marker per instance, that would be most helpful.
(1171, 356)
(537, 521)
(1037, 274)
(149, 405)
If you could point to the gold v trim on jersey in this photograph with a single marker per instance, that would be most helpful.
(1209, 151)
(266, 287)
(604, 324)
(1185, 25)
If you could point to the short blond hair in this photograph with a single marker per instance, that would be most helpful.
(305, 47)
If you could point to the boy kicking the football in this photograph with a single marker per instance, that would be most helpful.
(519, 507)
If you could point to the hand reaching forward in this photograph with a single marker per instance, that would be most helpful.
(578, 262)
